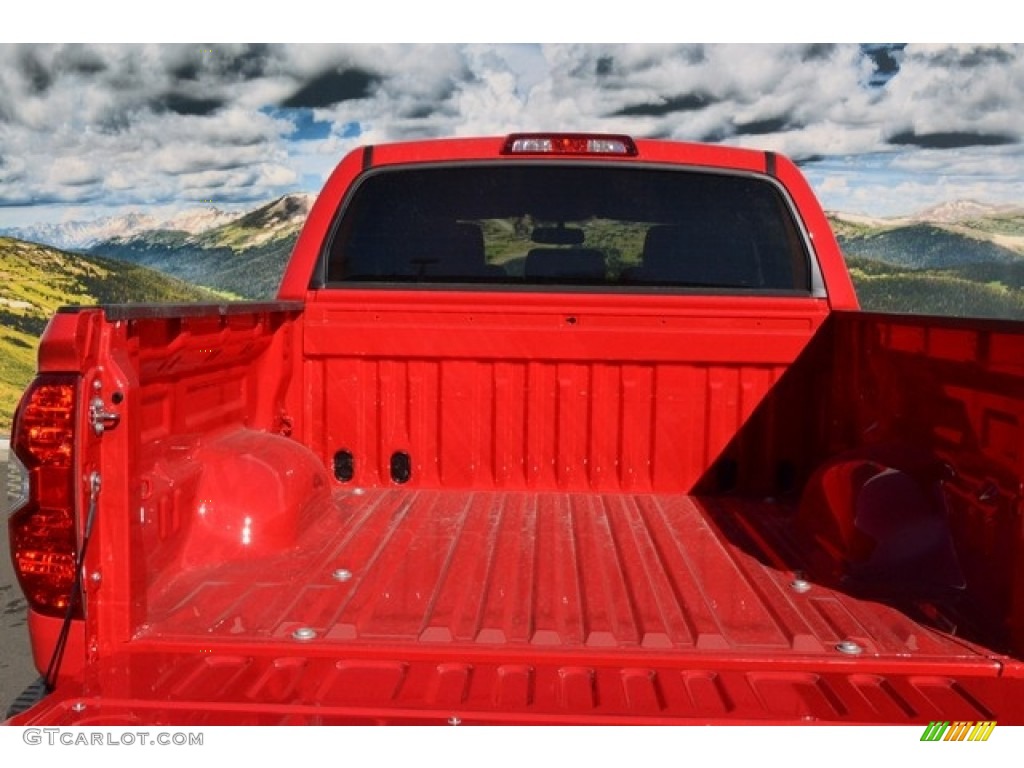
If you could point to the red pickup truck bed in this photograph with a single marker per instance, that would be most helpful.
(727, 603)
(564, 480)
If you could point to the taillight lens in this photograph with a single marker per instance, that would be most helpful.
(568, 144)
(42, 528)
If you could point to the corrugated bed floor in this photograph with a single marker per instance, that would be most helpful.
(543, 570)
(404, 606)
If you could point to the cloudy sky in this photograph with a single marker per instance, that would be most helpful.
(88, 130)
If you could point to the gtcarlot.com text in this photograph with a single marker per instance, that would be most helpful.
(75, 737)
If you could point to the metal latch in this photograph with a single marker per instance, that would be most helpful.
(100, 418)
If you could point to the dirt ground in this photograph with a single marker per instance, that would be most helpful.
(16, 670)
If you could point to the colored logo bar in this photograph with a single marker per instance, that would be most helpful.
(962, 730)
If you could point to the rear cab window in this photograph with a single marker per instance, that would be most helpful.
(589, 225)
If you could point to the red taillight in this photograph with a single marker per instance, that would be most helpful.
(568, 144)
(42, 530)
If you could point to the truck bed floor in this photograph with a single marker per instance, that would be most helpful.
(559, 605)
(580, 571)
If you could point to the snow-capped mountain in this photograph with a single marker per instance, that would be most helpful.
(242, 254)
(82, 235)
(78, 235)
(952, 212)
(279, 219)
(957, 211)
(213, 228)
(197, 220)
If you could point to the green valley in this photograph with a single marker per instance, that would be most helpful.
(939, 264)
(244, 257)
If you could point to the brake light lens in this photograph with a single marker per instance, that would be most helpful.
(43, 539)
(569, 144)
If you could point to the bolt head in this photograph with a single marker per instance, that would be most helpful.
(303, 634)
(849, 647)
(342, 574)
(800, 585)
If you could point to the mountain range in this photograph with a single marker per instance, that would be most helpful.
(948, 235)
(239, 254)
(81, 235)
(959, 258)
(243, 256)
(960, 244)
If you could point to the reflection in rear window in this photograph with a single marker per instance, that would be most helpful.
(572, 225)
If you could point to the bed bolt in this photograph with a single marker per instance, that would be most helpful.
(342, 574)
(849, 647)
(95, 577)
(988, 492)
(454, 721)
(78, 706)
(800, 585)
(303, 634)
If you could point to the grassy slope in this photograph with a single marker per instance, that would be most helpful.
(35, 280)
(924, 246)
(966, 291)
(961, 270)
(245, 257)
(252, 273)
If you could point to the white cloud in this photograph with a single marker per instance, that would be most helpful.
(159, 124)
(974, 89)
(73, 172)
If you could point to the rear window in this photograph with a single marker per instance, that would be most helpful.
(576, 225)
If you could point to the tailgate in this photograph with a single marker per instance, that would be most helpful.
(266, 689)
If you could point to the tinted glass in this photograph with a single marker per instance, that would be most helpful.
(586, 225)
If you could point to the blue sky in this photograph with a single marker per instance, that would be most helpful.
(88, 130)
